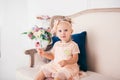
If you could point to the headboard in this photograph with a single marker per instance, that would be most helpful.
(103, 38)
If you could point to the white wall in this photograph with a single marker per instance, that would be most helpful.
(54, 7)
(18, 16)
(1, 20)
(14, 21)
(103, 3)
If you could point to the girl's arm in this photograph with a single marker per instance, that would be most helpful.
(47, 55)
(72, 60)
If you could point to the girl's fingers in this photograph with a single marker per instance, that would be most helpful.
(39, 51)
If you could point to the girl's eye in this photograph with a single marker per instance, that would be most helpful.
(60, 30)
(65, 30)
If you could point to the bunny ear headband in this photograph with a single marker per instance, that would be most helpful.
(56, 22)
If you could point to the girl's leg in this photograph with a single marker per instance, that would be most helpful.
(40, 76)
(60, 76)
(56, 79)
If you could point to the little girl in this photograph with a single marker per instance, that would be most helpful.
(64, 54)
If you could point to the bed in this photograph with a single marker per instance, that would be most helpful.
(98, 23)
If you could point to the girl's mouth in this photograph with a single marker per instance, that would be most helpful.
(63, 36)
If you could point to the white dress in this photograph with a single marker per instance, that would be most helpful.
(62, 51)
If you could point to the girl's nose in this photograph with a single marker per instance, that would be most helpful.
(63, 32)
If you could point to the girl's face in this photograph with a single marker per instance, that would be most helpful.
(64, 31)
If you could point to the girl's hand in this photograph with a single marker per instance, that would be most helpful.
(41, 52)
(62, 63)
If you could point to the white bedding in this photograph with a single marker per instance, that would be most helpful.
(27, 73)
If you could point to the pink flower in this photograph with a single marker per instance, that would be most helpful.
(37, 44)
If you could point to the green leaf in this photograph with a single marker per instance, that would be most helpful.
(33, 37)
(24, 33)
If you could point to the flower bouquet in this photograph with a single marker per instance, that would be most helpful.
(40, 35)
